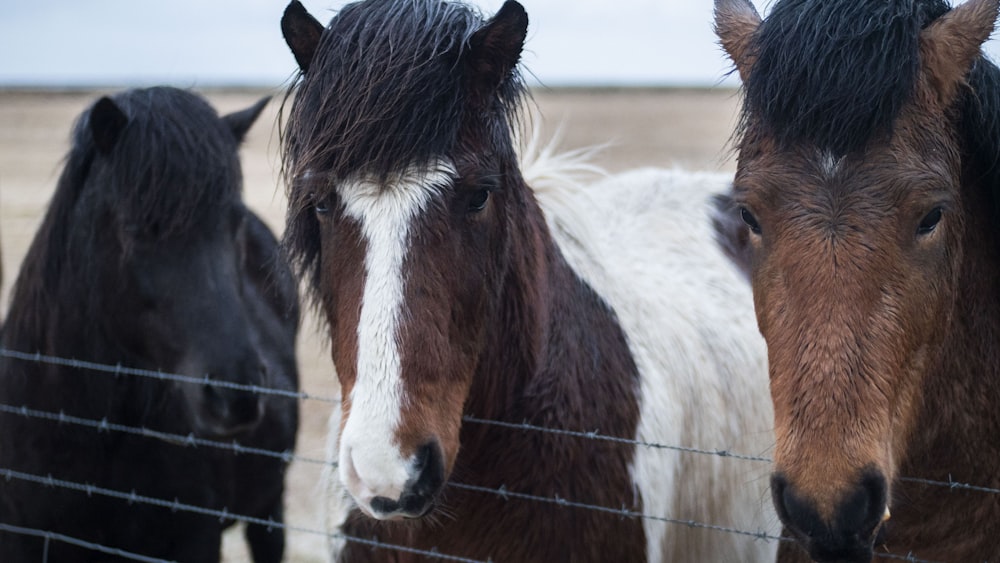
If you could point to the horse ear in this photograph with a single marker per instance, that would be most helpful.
(736, 22)
(950, 44)
(239, 122)
(495, 48)
(731, 233)
(302, 33)
(106, 122)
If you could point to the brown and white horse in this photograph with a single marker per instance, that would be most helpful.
(867, 187)
(455, 293)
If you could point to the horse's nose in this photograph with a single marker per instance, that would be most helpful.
(849, 534)
(233, 409)
(418, 496)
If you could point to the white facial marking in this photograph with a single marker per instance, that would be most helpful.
(370, 461)
(829, 164)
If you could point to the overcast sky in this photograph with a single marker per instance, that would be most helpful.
(220, 42)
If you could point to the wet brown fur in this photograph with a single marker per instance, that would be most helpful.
(883, 345)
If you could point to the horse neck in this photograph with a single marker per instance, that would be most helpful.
(556, 350)
(54, 311)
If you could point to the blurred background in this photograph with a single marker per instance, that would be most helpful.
(194, 43)
(68, 43)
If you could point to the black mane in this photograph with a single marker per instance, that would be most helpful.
(193, 184)
(835, 73)
(162, 177)
(980, 126)
(385, 90)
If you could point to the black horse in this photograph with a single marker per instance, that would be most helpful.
(148, 258)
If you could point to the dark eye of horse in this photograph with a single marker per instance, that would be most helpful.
(478, 201)
(929, 222)
(750, 220)
(322, 207)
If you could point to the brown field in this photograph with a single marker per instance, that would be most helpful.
(685, 128)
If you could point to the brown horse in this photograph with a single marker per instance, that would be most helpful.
(867, 208)
(462, 286)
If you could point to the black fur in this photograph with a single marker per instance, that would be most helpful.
(980, 128)
(148, 258)
(835, 73)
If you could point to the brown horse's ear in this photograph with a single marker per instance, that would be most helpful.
(495, 49)
(302, 33)
(731, 233)
(950, 44)
(239, 122)
(106, 123)
(736, 22)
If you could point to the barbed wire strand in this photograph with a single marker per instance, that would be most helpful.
(953, 485)
(502, 492)
(54, 536)
(164, 376)
(119, 370)
(593, 435)
(103, 425)
(223, 515)
(189, 440)
(175, 505)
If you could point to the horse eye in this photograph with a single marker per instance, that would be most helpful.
(322, 206)
(478, 201)
(750, 220)
(929, 222)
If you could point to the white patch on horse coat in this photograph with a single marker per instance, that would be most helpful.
(371, 464)
(643, 241)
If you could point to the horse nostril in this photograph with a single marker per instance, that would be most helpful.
(865, 508)
(231, 409)
(846, 535)
(213, 398)
(429, 469)
(383, 505)
(263, 374)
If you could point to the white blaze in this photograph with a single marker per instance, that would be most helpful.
(371, 464)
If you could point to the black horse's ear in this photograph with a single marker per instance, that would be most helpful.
(731, 233)
(239, 122)
(495, 48)
(107, 121)
(302, 33)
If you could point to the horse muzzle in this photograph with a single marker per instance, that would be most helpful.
(846, 536)
(413, 500)
(225, 412)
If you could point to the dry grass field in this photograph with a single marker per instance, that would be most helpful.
(685, 128)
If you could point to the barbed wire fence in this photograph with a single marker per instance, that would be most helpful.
(190, 440)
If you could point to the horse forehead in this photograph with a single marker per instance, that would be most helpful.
(881, 183)
(394, 201)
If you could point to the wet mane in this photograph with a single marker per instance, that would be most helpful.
(836, 77)
(835, 73)
(980, 126)
(385, 90)
(175, 147)
(162, 177)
